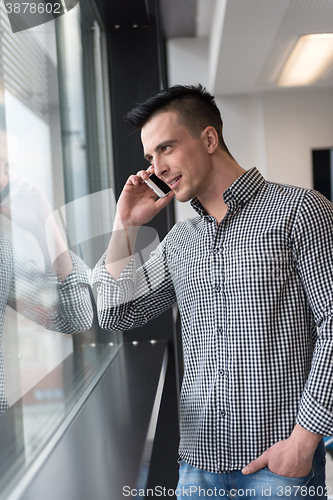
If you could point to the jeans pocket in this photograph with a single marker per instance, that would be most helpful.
(180, 461)
(302, 479)
(268, 484)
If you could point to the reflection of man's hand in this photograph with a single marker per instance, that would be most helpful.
(28, 207)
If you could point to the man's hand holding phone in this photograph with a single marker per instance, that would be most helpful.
(137, 204)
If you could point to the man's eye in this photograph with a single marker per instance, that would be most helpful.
(166, 148)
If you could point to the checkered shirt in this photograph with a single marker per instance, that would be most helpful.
(40, 296)
(255, 296)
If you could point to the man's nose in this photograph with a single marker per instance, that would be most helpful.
(160, 167)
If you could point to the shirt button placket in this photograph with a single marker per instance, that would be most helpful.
(218, 291)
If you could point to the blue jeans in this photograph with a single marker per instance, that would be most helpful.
(198, 484)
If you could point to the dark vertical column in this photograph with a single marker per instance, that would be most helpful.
(321, 166)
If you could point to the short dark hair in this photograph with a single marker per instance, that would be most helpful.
(195, 107)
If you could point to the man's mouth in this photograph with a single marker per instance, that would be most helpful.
(174, 181)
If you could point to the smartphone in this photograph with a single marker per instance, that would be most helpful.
(158, 186)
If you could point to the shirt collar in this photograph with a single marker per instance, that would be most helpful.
(239, 192)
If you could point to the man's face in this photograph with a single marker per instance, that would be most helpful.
(180, 160)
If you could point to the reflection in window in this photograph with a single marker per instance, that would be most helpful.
(34, 291)
(55, 159)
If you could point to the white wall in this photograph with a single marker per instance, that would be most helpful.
(296, 121)
(187, 61)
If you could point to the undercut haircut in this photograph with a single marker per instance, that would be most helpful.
(195, 108)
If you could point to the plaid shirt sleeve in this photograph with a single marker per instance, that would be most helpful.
(137, 296)
(313, 241)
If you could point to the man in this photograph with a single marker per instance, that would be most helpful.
(252, 276)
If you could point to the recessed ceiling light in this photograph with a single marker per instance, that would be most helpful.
(310, 58)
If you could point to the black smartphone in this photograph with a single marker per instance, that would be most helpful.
(158, 186)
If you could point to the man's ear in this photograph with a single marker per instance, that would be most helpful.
(211, 139)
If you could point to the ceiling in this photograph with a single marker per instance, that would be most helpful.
(178, 17)
(249, 40)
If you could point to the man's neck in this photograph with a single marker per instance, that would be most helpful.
(226, 171)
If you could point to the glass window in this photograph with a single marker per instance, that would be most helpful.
(56, 213)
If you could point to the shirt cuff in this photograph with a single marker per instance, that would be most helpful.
(313, 416)
(101, 275)
(113, 293)
(80, 274)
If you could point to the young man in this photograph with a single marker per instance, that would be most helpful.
(252, 274)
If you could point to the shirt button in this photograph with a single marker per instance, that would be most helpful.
(221, 371)
(220, 330)
(216, 251)
(222, 413)
(217, 288)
